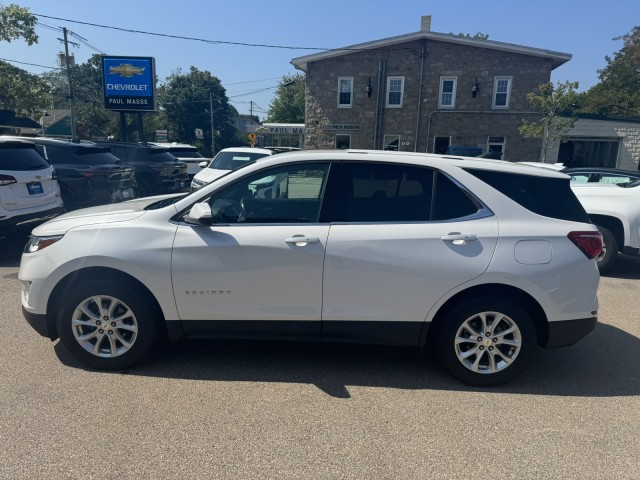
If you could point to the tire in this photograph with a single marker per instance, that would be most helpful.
(609, 253)
(130, 334)
(493, 356)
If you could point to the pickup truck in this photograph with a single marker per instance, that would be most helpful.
(615, 210)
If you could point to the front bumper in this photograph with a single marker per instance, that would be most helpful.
(568, 332)
(40, 324)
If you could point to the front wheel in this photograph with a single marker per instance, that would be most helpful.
(106, 325)
(486, 341)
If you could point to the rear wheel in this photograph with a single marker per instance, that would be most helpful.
(486, 341)
(609, 253)
(106, 325)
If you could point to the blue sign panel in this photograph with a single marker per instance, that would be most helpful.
(129, 83)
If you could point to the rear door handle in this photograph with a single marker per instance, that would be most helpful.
(301, 240)
(458, 238)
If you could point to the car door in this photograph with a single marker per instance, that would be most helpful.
(405, 236)
(256, 272)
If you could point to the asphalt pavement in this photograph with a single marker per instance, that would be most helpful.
(205, 409)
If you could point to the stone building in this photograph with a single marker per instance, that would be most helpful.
(424, 92)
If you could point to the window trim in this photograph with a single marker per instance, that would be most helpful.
(443, 79)
(503, 143)
(350, 80)
(495, 92)
(389, 79)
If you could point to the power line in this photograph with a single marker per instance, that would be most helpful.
(165, 35)
(31, 64)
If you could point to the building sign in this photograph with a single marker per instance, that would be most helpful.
(129, 83)
(162, 136)
(342, 126)
(285, 130)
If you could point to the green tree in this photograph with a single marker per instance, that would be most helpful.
(288, 103)
(22, 92)
(618, 92)
(16, 22)
(556, 105)
(187, 100)
(19, 90)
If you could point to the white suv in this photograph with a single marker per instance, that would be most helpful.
(478, 261)
(29, 192)
(225, 161)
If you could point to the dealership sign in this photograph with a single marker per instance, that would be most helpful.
(129, 83)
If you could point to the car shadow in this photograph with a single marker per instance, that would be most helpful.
(604, 364)
(626, 266)
(11, 248)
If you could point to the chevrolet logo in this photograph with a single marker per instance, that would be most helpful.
(126, 70)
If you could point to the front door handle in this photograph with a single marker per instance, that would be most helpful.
(301, 240)
(458, 238)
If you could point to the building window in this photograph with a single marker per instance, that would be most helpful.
(395, 92)
(345, 92)
(441, 144)
(343, 142)
(495, 147)
(391, 142)
(501, 92)
(447, 97)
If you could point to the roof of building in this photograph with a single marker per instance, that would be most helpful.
(557, 58)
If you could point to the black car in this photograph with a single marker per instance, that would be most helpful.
(88, 174)
(157, 171)
(601, 175)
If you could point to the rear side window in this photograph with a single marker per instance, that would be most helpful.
(74, 155)
(549, 197)
(156, 155)
(185, 153)
(19, 157)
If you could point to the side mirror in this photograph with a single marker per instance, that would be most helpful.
(200, 214)
(203, 164)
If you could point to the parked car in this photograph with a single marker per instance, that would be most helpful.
(225, 161)
(157, 171)
(185, 153)
(601, 175)
(615, 209)
(29, 192)
(88, 174)
(475, 260)
(464, 150)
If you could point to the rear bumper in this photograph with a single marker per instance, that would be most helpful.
(23, 221)
(568, 332)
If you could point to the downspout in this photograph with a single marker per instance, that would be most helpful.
(423, 54)
(379, 105)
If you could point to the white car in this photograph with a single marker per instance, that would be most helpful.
(615, 209)
(225, 161)
(29, 191)
(471, 259)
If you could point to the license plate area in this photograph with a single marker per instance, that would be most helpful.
(35, 188)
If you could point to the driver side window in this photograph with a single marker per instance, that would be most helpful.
(289, 194)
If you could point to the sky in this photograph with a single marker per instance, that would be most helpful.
(249, 65)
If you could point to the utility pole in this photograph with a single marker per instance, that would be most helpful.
(250, 112)
(213, 132)
(67, 64)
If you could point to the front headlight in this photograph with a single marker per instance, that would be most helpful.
(197, 184)
(36, 244)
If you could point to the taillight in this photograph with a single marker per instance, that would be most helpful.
(589, 243)
(7, 180)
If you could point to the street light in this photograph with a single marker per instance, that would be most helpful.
(213, 132)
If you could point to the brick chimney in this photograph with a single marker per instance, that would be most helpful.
(425, 23)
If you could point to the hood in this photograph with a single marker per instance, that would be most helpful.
(99, 215)
(208, 175)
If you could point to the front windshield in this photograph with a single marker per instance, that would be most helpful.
(234, 160)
